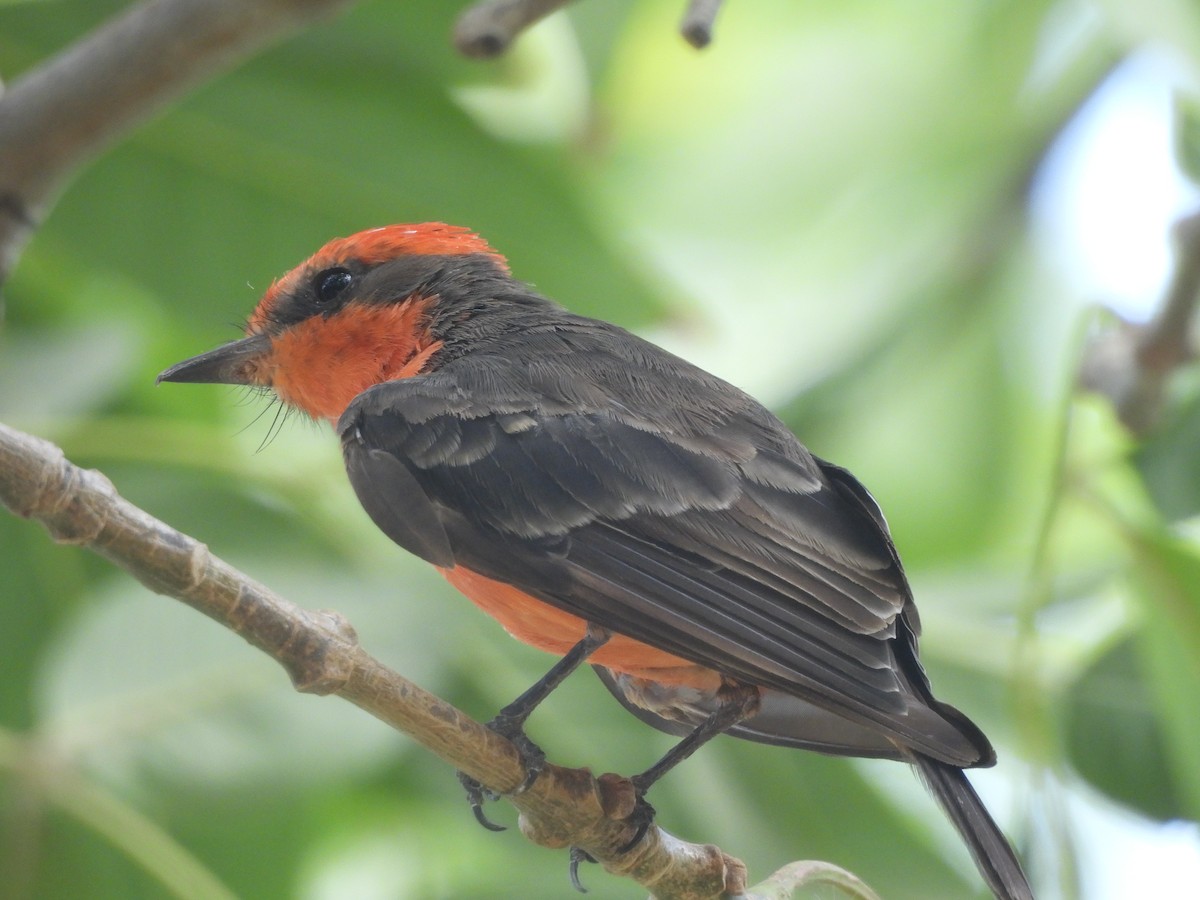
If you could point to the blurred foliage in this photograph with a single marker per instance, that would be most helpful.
(827, 207)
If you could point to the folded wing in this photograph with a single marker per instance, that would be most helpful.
(717, 537)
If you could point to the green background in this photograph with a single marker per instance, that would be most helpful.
(828, 207)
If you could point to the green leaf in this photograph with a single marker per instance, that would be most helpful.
(139, 682)
(1187, 134)
(1166, 577)
(1114, 737)
(1168, 461)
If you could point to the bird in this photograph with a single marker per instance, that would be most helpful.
(609, 502)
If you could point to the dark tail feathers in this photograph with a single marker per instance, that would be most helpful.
(993, 855)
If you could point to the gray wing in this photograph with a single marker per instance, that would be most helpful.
(706, 532)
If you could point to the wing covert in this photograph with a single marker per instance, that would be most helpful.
(756, 564)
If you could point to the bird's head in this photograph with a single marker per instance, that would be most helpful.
(358, 312)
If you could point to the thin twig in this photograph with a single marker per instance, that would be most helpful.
(1132, 363)
(488, 28)
(63, 113)
(1165, 343)
(800, 875)
(697, 24)
(321, 653)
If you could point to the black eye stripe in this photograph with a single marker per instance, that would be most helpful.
(331, 282)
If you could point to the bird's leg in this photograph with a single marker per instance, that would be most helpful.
(510, 721)
(737, 703)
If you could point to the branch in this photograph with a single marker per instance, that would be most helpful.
(1132, 364)
(69, 109)
(800, 875)
(66, 111)
(489, 27)
(321, 653)
(697, 24)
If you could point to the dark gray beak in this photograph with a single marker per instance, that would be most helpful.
(229, 364)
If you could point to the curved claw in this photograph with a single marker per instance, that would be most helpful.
(579, 855)
(532, 757)
(475, 796)
(482, 819)
(643, 817)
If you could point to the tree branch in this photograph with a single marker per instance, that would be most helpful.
(489, 27)
(63, 113)
(799, 875)
(1132, 363)
(321, 653)
(66, 111)
(697, 24)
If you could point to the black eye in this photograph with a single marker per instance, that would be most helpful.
(332, 282)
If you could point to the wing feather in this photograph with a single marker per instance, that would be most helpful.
(713, 536)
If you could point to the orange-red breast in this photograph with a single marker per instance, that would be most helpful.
(560, 471)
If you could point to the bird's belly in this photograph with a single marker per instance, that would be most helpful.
(548, 628)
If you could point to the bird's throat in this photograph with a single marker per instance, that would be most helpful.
(321, 364)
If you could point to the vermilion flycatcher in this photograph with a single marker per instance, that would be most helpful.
(562, 472)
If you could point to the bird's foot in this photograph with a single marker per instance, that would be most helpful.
(477, 794)
(642, 816)
(579, 855)
(532, 758)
